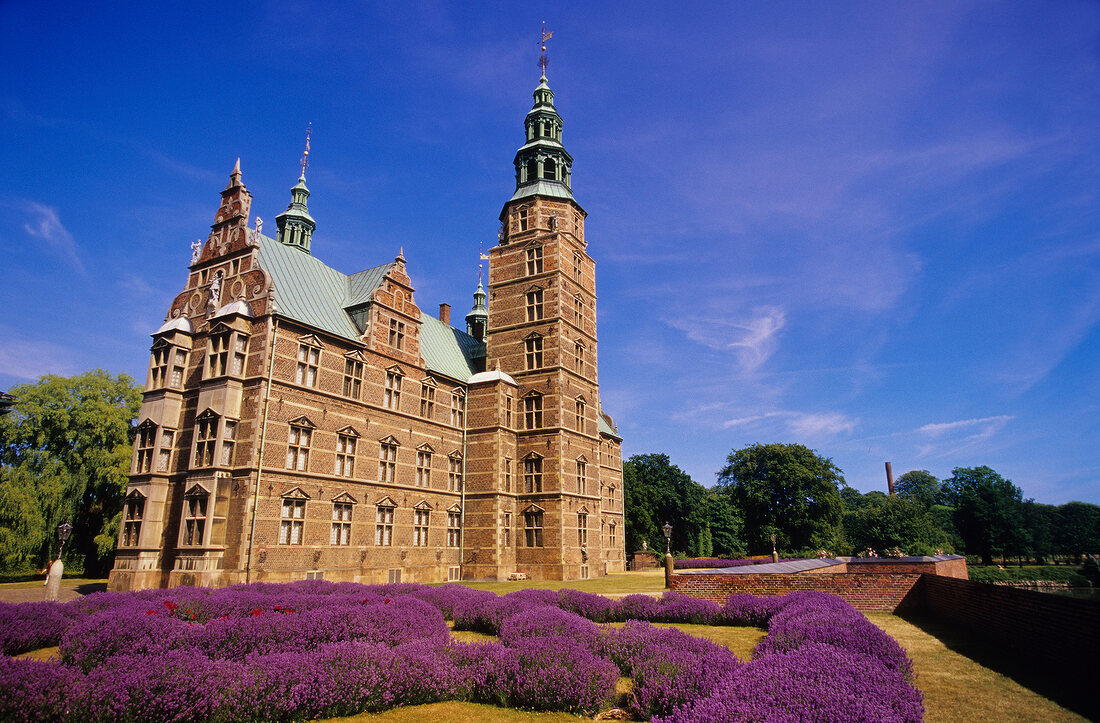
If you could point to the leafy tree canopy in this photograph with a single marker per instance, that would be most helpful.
(786, 489)
(895, 522)
(657, 492)
(988, 512)
(64, 455)
(920, 486)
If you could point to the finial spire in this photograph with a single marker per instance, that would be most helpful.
(305, 154)
(544, 59)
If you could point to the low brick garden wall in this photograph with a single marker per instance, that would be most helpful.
(865, 591)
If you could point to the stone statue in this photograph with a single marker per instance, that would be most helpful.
(196, 251)
(53, 580)
(645, 546)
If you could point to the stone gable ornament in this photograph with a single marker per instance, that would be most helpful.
(196, 250)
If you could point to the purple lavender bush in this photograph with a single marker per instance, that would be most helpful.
(32, 625)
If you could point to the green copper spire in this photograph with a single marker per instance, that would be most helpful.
(543, 167)
(479, 315)
(295, 224)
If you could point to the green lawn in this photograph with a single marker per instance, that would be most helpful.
(616, 585)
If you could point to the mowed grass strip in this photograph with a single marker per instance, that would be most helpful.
(957, 688)
(620, 584)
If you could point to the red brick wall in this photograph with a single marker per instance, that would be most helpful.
(865, 591)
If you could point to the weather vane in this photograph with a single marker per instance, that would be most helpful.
(305, 155)
(544, 60)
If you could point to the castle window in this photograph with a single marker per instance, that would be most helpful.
(582, 476)
(532, 411)
(578, 354)
(397, 334)
(158, 369)
(353, 378)
(146, 443)
(532, 475)
(577, 266)
(383, 528)
(387, 462)
(391, 398)
(582, 529)
(421, 518)
(427, 401)
(240, 351)
(217, 357)
(179, 366)
(454, 474)
(229, 440)
(507, 475)
(534, 261)
(164, 454)
(532, 526)
(423, 468)
(341, 524)
(579, 413)
(531, 171)
(131, 520)
(550, 169)
(345, 456)
(454, 529)
(194, 518)
(309, 358)
(297, 447)
(206, 436)
(508, 410)
(578, 310)
(507, 531)
(532, 347)
(611, 535)
(610, 496)
(458, 414)
(534, 305)
(292, 521)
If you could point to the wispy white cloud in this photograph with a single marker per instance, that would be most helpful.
(47, 226)
(808, 425)
(25, 359)
(986, 425)
(952, 439)
(752, 339)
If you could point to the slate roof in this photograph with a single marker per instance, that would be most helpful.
(308, 291)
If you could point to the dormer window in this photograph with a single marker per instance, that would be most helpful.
(397, 334)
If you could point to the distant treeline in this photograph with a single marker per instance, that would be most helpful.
(801, 497)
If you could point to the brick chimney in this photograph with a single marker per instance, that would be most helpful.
(445, 313)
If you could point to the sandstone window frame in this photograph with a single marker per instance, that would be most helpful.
(228, 442)
(506, 529)
(299, 441)
(353, 376)
(292, 517)
(205, 439)
(132, 515)
(164, 449)
(427, 398)
(579, 407)
(532, 474)
(454, 471)
(391, 395)
(194, 524)
(383, 522)
(582, 475)
(458, 408)
(533, 255)
(454, 526)
(533, 522)
(343, 510)
(422, 524)
(533, 352)
(532, 411)
(397, 334)
(387, 460)
(533, 301)
(347, 440)
(145, 445)
(582, 528)
(307, 370)
(424, 454)
(578, 357)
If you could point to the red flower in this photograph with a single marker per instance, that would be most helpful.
(170, 605)
(257, 612)
(288, 610)
(150, 612)
(386, 601)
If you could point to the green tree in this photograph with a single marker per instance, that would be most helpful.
(1078, 529)
(65, 453)
(661, 492)
(786, 489)
(895, 522)
(920, 486)
(988, 512)
(725, 526)
(1041, 522)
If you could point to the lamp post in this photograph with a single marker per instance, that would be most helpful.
(57, 568)
(668, 554)
(775, 554)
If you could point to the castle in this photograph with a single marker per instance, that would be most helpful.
(301, 423)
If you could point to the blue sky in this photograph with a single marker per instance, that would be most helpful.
(871, 228)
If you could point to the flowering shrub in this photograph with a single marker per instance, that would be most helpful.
(315, 649)
(893, 552)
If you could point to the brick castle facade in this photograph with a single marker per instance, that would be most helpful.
(298, 422)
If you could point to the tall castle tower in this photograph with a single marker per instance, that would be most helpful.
(558, 462)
